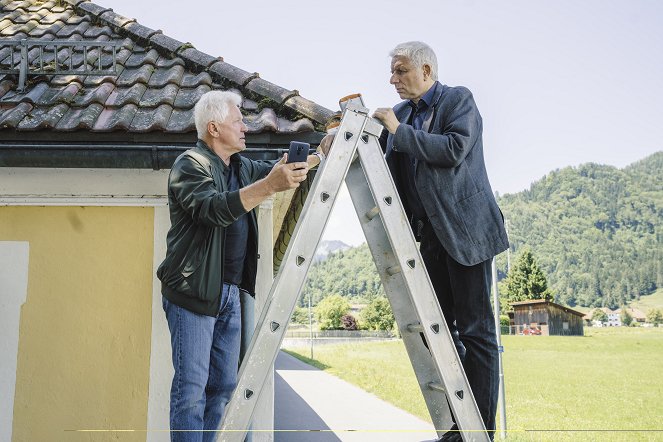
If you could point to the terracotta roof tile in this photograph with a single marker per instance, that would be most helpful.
(270, 90)
(129, 77)
(165, 44)
(187, 98)
(167, 62)
(43, 117)
(191, 80)
(97, 95)
(148, 120)
(122, 96)
(12, 116)
(115, 119)
(116, 20)
(140, 34)
(73, 29)
(163, 76)
(30, 96)
(80, 118)
(155, 97)
(226, 71)
(195, 60)
(265, 120)
(181, 121)
(64, 94)
(140, 58)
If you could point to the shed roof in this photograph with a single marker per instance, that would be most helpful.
(544, 302)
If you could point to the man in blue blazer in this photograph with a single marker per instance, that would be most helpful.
(434, 151)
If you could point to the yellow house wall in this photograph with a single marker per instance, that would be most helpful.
(84, 337)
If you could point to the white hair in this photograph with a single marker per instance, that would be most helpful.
(213, 106)
(419, 53)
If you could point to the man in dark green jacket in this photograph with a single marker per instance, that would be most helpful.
(212, 254)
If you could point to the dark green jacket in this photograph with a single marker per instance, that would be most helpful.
(201, 207)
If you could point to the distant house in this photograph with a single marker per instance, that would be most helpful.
(636, 314)
(546, 318)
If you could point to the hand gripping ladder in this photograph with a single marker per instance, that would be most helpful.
(356, 156)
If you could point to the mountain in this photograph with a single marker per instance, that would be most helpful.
(326, 247)
(596, 231)
(349, 272)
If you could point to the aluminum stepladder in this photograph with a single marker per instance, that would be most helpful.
(356, 156)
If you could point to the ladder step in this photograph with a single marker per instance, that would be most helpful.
(415, 328)
(437, 387)
(375, 211)
(393, 270)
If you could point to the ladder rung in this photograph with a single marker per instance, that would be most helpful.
(391, 271)
(436, 386)
(372, 213)
(415, 328)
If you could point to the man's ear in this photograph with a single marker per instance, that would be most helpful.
(427, 70)
(213, 129)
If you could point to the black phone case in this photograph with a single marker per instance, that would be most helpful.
(298, 152)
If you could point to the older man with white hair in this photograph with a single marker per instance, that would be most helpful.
(434, 150)
(212, 255)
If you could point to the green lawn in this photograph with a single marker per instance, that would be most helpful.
(557, 388)
(655, 300)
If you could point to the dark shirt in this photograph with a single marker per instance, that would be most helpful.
(408, 166)
(237, 235)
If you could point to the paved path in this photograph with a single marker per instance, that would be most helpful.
(324, 408)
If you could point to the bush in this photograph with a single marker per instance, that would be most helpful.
(300, 316)
(329, 312)
(505, 321)
(377, 315)
(348, 322)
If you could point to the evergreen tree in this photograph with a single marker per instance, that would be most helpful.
(526, 280)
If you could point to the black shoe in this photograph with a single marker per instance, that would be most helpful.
(453, 435)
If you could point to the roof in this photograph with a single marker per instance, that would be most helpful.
(634, 312)
(543, 301)
(158, 81)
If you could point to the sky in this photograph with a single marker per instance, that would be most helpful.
(558, 83)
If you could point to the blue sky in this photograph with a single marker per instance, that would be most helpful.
(557, 83)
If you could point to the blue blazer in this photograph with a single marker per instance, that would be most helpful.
(450, 175)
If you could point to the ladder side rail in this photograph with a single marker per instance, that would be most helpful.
(421, 292)
(397, 294)
(289, 281)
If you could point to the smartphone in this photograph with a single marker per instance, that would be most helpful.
(298, 152)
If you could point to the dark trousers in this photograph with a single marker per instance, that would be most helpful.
(464, 296)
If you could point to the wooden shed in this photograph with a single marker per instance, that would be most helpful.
(546, 318)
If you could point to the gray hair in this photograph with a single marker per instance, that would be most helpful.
(419, 53)
(213, 106)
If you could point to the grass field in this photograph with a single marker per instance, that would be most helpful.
(655, 300)
(605, 386)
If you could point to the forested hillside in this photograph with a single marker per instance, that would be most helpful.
(595, 230)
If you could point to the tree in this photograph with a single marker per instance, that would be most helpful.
(300, 316)
(329, 312)
(655, 316)
(599, 315)
(626, 317)
(377, 315)
(526, 280)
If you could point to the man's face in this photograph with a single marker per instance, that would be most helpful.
(408, 79)
(231, 131)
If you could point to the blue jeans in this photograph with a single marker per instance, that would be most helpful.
(205, 357)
